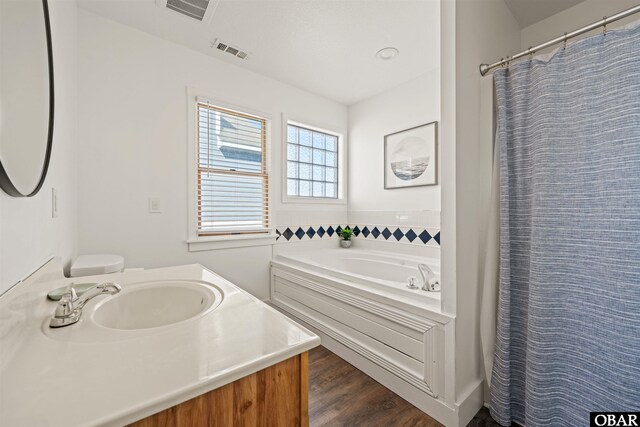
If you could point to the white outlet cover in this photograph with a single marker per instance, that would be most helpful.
(154, 205)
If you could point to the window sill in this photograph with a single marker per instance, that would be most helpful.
(312, 200)
(211, 243)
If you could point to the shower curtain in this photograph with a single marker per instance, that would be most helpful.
(568, 325)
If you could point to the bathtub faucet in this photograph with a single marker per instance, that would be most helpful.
(430, 282)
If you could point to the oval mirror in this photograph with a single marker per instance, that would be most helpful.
(26, 95)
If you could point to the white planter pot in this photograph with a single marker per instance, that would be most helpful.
(345, 243)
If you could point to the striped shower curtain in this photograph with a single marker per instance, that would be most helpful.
(568, 328)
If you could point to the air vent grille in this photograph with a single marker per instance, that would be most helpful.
(192, 8)
(225, 47)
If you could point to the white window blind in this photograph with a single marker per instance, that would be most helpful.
(232, 172)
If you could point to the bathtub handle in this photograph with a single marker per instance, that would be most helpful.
(432, 285)
(412, 282)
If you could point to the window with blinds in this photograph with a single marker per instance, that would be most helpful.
(232, 172)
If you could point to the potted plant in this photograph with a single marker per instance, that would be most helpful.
(345, 235)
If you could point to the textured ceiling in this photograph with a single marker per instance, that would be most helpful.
(326, 47)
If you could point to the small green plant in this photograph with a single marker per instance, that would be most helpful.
(346, 233)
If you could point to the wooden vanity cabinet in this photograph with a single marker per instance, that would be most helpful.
(273, 397)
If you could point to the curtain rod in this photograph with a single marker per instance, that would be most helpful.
(485, 68)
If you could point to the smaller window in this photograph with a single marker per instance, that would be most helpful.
(312, 163)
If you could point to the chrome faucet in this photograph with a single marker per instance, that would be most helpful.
(69, 308)
(430, 282)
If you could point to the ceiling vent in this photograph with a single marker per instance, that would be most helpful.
(232, 50)
(200, 10)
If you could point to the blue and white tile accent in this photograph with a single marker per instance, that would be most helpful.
(305, 232)
(408, 235)
(413, 235)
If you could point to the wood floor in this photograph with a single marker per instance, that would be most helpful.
(341, 395)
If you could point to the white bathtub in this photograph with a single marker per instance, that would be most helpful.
(358, 302)
(382, 272)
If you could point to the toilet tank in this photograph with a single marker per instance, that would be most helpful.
(91, 265)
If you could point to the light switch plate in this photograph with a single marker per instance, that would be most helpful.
(154, 205)
(54, 203)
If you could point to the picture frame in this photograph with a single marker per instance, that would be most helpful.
(411, 157)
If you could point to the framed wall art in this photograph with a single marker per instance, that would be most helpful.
(411, 157)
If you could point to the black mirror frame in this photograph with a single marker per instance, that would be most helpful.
(5, 181)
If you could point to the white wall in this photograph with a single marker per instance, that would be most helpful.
(485, 30)
(133, 129)
(411, 104)
(448, 174)
(28, 233)
(575, 17)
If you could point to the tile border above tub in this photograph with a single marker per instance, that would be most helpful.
(388, 233)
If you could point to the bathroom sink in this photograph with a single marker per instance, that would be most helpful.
(152, 305)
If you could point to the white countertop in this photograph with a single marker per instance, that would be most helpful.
(62, 377)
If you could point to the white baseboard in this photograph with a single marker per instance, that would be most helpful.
(471, 404)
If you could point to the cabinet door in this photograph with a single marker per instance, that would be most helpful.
(273, 397)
